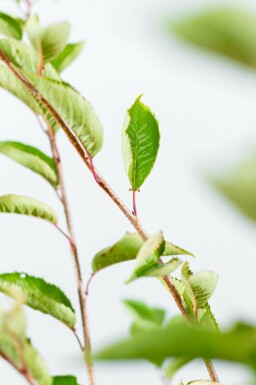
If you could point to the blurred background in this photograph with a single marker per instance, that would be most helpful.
(205, 105)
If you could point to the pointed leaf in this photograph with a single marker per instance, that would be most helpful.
(179, 340)
(48, 41)
(65, 380)
(74, 110)
(39, 295)
(67, 56)
(31, 158)
(9, 26)
(161, 269)
(227, 31)
(140, 143)
(17, 204)
(206, 319)
(142, 311)
(148, 255)
(127, 249)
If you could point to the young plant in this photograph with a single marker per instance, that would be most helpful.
(32, 73)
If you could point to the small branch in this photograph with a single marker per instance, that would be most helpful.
(88, 284)
(29, 8)
(211, 370)
(78, 339)
(103, 185)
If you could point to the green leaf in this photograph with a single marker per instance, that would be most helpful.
(142, 311)
(10, 27)
(175, 365)
(227, 31)
(48, 41)
(23, 57)
(67, 56)
(127, 249)
(74, 110)
(179, 340)
(17, 204)
(239, 186)
(9, 82)
(31, 158)
(148, 255)
(39, 295)
(65, 380)
(17, 348)
(206, 319)
(161, 269)
(200, 286)
(140, 143)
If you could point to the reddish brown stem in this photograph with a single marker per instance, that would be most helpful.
(134, 203)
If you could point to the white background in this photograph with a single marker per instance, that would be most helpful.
(206, 109)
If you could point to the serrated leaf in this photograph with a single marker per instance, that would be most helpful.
(179, 340)
(238, 185)
(16, 348)
(142, 311)
(200, 286)
(127, 249)
(148, 255)
(140, 143)
(48, 41)
(206, 318)
(17, 204)
(39, 295)
(65, 380)
(67, 56)
(9, 26)
(227, 31)
(161, 269)
(175, 365)
(31, 158)
(76, 111)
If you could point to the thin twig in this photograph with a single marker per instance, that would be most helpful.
(78, 339)
(74, 252)
(103, 185)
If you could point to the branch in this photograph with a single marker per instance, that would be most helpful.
(104, 186)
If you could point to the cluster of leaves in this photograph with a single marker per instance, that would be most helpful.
(32, 74)
(227, 31)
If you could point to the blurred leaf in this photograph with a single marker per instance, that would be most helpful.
(65, 380)
(148, 255)
(17, 204)
(31, 158)
(140, 143)
(39, 295)
(67, 56)
(239, 186)
(17, 349)
(142, 311)
(76, 111)
(48, 41)
(228, 31)
(127, 249)
(180, 339)
(10, 27)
